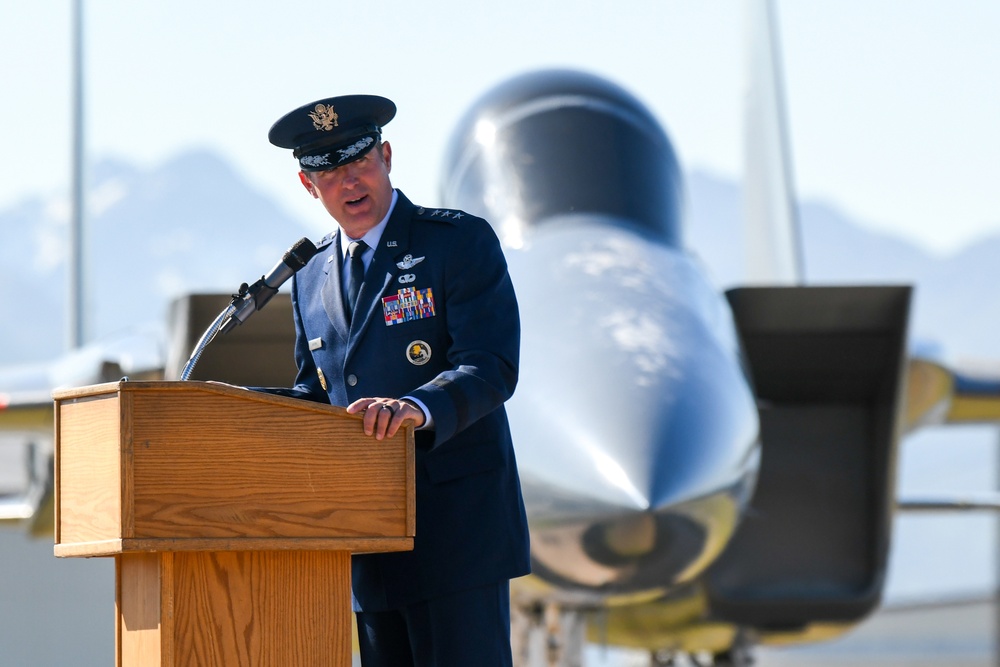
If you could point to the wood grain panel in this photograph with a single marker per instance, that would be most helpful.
(139, 605)
(199, 461)
(260, 471)
(89, 470)
(262, 608)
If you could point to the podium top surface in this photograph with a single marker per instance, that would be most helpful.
(220, 388)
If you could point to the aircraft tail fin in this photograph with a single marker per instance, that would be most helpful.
(774, 249)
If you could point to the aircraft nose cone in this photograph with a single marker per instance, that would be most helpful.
(634, 426)
(631, 392)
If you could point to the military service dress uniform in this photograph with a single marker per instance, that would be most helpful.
(436, 320)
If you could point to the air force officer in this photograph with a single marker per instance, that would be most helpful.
(407, 314)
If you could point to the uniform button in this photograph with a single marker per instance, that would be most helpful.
(352, 379)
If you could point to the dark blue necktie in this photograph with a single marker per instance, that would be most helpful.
(355, 274)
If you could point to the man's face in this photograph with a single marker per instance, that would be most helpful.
(356, 194)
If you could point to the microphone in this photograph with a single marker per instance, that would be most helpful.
(252, 298)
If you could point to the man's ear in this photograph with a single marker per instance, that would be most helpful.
(387, 156)
(308, 184)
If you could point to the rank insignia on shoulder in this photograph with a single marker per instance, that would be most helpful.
(440, 213)
(409, 261)
(445, 213)
(326, 240)
(408, 304)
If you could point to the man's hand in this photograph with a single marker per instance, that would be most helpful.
(385, 416)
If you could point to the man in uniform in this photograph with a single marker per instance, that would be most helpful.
(407, 314)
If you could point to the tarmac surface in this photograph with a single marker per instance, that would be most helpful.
(39, 592)
(959, 633)
(951, 634)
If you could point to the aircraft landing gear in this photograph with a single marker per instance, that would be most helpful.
(738, 655)
(547, 636)
(663, 658)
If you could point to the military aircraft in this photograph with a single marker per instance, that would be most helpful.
(702, 471)
(652, 408)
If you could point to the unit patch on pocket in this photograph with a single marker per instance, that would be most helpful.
(408, 304)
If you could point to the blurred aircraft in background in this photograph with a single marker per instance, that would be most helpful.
(702, 471)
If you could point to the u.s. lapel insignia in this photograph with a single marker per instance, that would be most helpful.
(418, 353)
(409, 261)
(322, 379)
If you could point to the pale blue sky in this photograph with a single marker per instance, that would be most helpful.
(894, 105)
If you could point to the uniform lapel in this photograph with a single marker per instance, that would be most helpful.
(333, 300)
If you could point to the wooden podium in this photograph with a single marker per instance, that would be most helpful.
(231, 516)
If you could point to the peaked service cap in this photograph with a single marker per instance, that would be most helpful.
(334, 131)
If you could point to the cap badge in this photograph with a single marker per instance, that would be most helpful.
(418, 353)
(324, 117)
(409, 261)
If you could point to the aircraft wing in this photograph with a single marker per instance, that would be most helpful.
(26, 419)
(29, 411)
(26, 428)
(937, 395)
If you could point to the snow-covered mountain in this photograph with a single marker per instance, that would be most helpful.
(952, 309)
(193, 224)
(190, 225)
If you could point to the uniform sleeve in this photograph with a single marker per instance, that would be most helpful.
(484, 328)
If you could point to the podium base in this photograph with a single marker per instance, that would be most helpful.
(250, 608)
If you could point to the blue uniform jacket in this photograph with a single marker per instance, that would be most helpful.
(471, 528)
